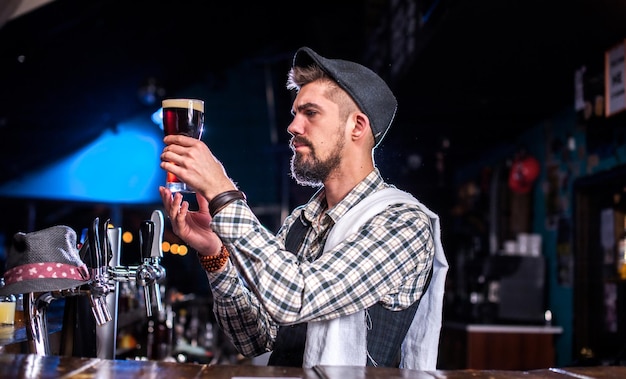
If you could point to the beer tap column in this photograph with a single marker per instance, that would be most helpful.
(107, 334)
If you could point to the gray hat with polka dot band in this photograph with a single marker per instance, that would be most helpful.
(44, 260)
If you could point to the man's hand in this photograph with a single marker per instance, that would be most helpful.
(193, 162)
(193, 227)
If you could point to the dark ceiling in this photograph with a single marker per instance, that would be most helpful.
(474, 73)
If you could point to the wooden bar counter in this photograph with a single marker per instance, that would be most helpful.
(497, 347)
(38, 366)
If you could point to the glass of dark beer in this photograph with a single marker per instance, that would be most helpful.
(182, 116)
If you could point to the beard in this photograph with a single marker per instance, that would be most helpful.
(310, 170)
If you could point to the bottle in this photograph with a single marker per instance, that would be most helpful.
(621, 254)
(19, 310)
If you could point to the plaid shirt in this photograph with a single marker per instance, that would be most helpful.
(386, 261)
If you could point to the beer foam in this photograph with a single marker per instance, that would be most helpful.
(184, 103)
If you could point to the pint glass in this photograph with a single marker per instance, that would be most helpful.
(182, 116)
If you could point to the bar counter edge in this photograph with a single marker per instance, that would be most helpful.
(52, 366)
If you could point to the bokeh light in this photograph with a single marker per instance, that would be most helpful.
(127, 237)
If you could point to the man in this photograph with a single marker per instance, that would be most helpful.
(343, 281)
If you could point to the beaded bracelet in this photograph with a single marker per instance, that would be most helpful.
(220, 201)
(212, 263)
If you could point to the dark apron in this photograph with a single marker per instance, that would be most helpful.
(384, 339)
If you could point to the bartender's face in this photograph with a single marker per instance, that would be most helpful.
(317, 133)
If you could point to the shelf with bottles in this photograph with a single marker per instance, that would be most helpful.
(184, 331)
(194, 327)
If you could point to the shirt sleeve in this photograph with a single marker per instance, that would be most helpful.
(240, 315)
(386, 260)
(238, 312)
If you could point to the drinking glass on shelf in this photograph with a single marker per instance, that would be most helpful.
(7, 307)
(182, 116)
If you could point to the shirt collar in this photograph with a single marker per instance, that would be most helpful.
(372, 183)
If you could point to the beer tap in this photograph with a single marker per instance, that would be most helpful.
(36, 315)
(36, 325)
(98, 286)
(150, 272)
(156, 253)
(102, 257)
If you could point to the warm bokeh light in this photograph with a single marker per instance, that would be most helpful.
(127, 237)
(165, 246)
(174, 248)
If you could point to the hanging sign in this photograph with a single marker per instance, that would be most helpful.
(615, 79)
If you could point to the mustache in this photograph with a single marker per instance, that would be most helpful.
(300, 141)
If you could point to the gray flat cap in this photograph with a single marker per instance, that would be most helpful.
(369, 91)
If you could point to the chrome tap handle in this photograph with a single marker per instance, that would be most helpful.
(99, 309)
(157, 238)
(155, 288)
(157, 254)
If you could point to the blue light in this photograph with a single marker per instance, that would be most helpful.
(157, 117)
(119, 167)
